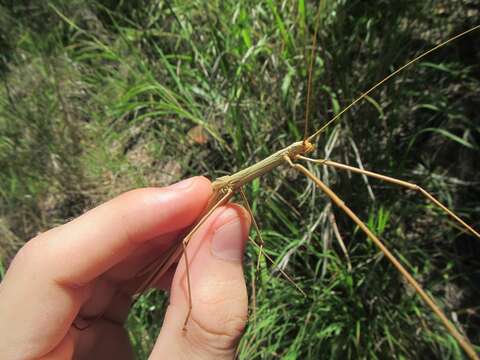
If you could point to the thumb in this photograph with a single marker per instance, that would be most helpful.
(218, 292)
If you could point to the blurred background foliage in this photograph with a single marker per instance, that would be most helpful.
(99, 97)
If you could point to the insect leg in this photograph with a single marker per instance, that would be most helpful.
(462, 341)
(260, 246)
(398, 182)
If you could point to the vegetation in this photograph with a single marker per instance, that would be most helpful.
(99, 97)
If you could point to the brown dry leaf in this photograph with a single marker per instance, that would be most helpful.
(198, 135)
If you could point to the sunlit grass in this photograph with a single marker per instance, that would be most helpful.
(99, 98)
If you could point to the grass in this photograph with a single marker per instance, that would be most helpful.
(100, 97)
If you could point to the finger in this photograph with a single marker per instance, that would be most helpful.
(125, 278)
(219, 293)
(64, 349)
(107, 234)
(142, 260)
(114, 302)
(102, 340)
(46, 283)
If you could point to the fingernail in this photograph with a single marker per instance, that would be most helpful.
(182, 185)
(227, 241)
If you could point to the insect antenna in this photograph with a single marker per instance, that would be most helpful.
(384, 80)
(310, 72)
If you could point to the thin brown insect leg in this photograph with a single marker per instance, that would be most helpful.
(398, 182)
(189, 287)
(260, 252)
(462, 341)
(257, 230)
(338, 236)
(255, 225)
(260, 246)
(284, 274)
(175, 252)
(158, 271)
(153, 265)
(183, 249)
(254, 298)
(172, 255)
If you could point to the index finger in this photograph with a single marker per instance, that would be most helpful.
(91, 244)
(42, 291)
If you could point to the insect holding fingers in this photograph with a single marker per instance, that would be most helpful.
(367, 310)
(171, 89)
(240, 71)
(225, 186)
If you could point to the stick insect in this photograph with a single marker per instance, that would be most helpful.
(294, 157)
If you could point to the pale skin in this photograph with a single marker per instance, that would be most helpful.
(86, 268)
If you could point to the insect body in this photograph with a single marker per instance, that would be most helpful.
(242, 177)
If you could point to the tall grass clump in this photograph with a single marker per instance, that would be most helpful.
(99, 97)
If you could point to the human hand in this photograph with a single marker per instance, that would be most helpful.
(87, 268)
